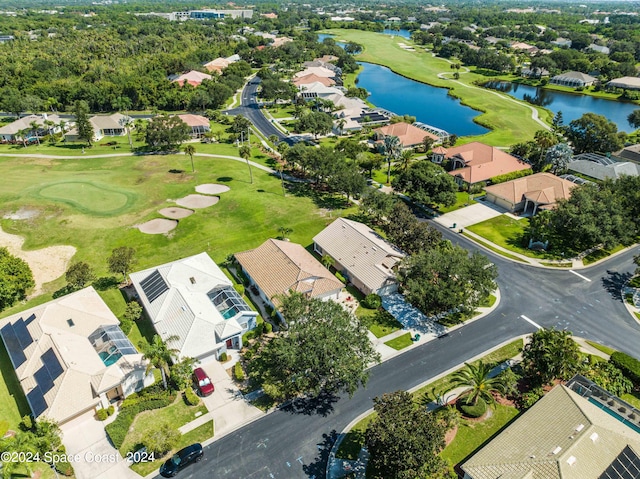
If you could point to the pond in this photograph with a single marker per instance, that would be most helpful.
(387, 31)
(427, 103)
(572, 106)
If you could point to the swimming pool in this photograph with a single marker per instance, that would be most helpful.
(109, 358)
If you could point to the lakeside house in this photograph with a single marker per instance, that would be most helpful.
(278, 267)
(573, 79)
(71, 357)
(530, 194)
(193, 299)
(410, 136)
(601, 167)
(476, 162)
(364, 257)
(626, 83)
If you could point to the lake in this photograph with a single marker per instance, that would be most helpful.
(427, 103)
(387, 31)
(572, 106)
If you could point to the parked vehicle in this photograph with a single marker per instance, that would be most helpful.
(181, 459)
(203, 383)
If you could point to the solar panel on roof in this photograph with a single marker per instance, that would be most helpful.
(13, 345)
(37, 401)
(23, 334)
(153, 286)
(625, 466)
(43, 379)
(50, 360)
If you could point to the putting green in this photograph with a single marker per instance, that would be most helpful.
(88, 197)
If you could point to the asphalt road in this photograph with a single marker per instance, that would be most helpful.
(294, 443)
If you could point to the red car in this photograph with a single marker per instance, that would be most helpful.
(205, 386)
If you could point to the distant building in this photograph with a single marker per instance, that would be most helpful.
(599, 48)
(573, 79)
(11, 132)
(627, 83)
(631, 153)
(193, 78)
(410, 136)
(199, 124)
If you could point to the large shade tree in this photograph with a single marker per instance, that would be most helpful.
(404, 439)
(427, 183)
(324, 350)
(15, 279)
(166, 132)
(551, 354)
(592, 133)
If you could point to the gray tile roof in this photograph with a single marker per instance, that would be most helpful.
(366, 255)
(601, 172)
(562, 436)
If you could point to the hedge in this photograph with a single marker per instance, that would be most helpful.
(473, 410)
(63, 467)
(191, 397)
(510, 176)
(119, 428)
(629, 366)
(238, 372)
(102, 414)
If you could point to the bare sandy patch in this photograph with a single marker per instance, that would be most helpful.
(22, 213)
(47, 264)
(212, 189)
(175, 213)
(197, 201)
(158, 226)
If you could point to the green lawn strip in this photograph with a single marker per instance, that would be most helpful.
(557, 265)
(637, 315)
(379, 322)
(510, 120)
(494, 249)
(442, 385)
(199, 434)
(281, 112)
(488, 301)
(12, 400)
(507, 232)
(243, 218)
(177, 414)
(462, 199)
(601, 254)
(400, 342)
(601, 347)
(632, 398)
(354, 440)
(142, 330)
(471, 435)
(75, 148)
(46, 472)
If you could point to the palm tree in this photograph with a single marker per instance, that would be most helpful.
(341, 123)
(478, 382)
(405, 160)
(327, 261)
(273, 139)
(35, 127)
(284, 232)
(23, 134)
(392, 149)
(159, 355)
(280, 169)
(245, 152)
(190, 150)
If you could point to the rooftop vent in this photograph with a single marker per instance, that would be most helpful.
(571, 461)
(193, 280)
(70, 323)
(594, 437)
(556, 450)
(580, 427)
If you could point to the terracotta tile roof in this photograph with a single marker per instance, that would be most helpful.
(217, 65)
(193, 77)
(194, 120)
(543, 188)
(440, 150)
(409, 135)
(278, 267)
(483, 162)
(313, 78)
(320, 71)
(562, 436)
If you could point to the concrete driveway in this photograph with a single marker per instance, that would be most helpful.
(97, 458)
(470, 215)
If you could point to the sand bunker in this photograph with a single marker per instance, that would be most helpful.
(157, 226)
(46, 264)
(197, 201)
(22, 214)
(211, 189)
(175, 213)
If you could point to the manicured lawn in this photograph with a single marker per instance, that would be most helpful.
(281, 112)
(354, 440)
(488, 301)
(199, 434)
(400, 342)
(13, 403)
(601, 254)
(510, 120)
(632, 398)
(462, 199)
(177, 414)
(494, 249)
(508, 233)
(379, 322)
(601, 347)
(244, 217)
(471, 435)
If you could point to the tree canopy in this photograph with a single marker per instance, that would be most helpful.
(324, 350)
(427, 183)
(15, 279)
(121, 260)
(592, 133)
(551, 354)
(166, 132)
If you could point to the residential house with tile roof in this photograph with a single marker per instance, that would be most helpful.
(364, 257)
(313, 78)
(199, 124)
(193, 299)
(575, 79)
(279, 267)
(530, 194)
(631, 153)
(103, 125)
(11, 132)
(217, 65)
(410, 136)
(627, 83)
(71, 357)
(193, 78)
(565, 435)
(476, 162)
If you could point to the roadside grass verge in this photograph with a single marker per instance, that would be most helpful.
(199, 434)
(463, 199)
(600, 254)
(601, 347)
(400, 342)
(494, 249)
(488, 301)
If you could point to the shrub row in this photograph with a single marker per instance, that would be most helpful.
(62, 466)
(510, 176)
(629, 366)
(190, 397)
(238, 372)
(103, 413)
(119, 428)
